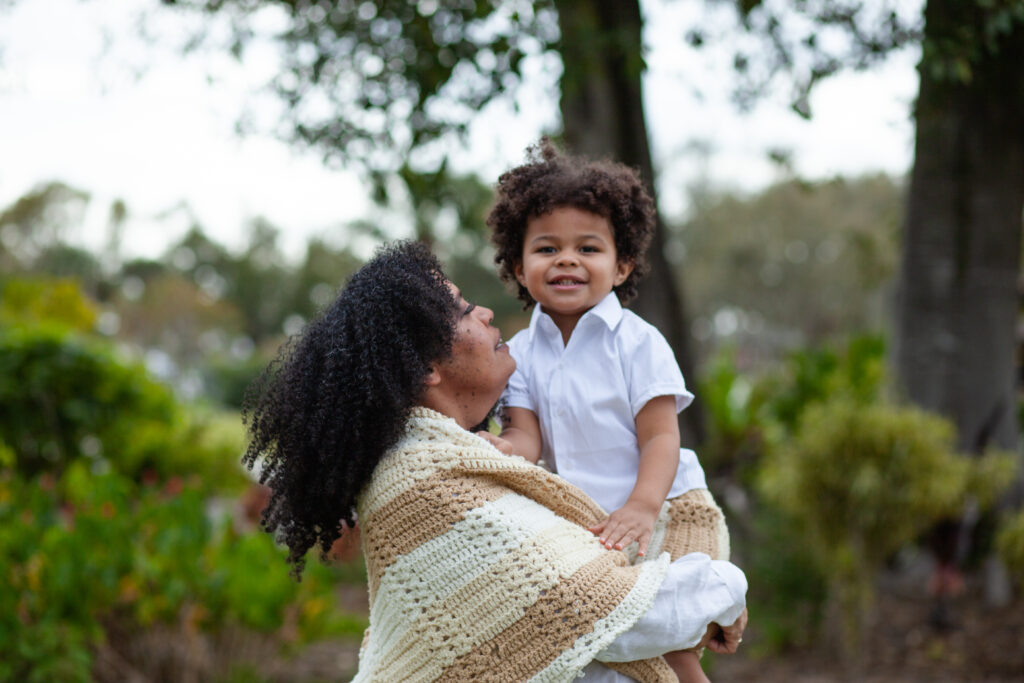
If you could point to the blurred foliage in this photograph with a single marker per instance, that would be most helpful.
(866, 479)
(808, 42)
(747, 411)
(793, 266)
(38, 221)
(215, 316)
(64, 397)
(377, 84)
(856, 372)
(450, 212)
(861, 481)
(749, 416)
(226, 379)
(1010, 544)
(112, 505)
(787, 587)
(46, 300)
(824, 479)
(82, 549)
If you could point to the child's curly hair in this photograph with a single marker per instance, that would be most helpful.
(337, 397)
(550, 180)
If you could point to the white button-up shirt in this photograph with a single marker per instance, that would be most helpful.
(586, 396)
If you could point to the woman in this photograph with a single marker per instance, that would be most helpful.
(479, 564)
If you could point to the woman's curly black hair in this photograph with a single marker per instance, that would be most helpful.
(337, 396)
(550, 180)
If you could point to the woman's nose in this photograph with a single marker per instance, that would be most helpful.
(486, 314)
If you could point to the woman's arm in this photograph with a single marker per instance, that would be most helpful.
(657, 434)
(696, 593)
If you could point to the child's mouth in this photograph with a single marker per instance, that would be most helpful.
(565, 282)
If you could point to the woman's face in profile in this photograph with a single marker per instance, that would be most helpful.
(480, 364)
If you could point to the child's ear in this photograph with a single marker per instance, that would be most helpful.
(433, 378)
(622, 271)
(518, 270)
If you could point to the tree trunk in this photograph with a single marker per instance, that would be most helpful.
(962, 244)
(602, 115)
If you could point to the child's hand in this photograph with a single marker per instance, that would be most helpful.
(498, 442)
(633, 521)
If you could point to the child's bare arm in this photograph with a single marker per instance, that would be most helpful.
(520, 435)
(658, 436)
(686, 665)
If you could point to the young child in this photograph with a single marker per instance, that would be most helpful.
(597, 389)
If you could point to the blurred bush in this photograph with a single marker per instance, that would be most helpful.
(227, 379)
(1010, 544)
(65, 397)
(82, 550)
(862, 481)
(44, 300)
(824, 478)
(750, 416)
(119, 510)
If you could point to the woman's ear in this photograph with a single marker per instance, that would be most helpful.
(434, 378)
(622, 271)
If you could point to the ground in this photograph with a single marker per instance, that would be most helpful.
(981, 644)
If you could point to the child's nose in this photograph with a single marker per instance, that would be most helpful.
(567, 257)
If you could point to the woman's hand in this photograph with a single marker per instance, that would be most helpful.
(501, 444)
(725, 640)
(634, 521)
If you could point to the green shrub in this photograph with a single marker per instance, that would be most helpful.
(749, 416)
(65, 398)
(226, 380)
(787, 585)
(861, 481)
(108, 487)
(1010, 543)
(44, 301)
(736, 420)
(811, 376)
(83, 548)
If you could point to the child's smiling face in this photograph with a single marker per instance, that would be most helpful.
(570, 263)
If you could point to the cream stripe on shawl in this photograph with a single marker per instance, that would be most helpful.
(434, 574)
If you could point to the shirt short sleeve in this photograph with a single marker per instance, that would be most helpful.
(517, 393)
(650, 368)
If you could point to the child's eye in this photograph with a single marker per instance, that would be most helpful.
(588, 249)
(545, 250)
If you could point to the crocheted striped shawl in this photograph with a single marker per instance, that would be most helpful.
(480, 567)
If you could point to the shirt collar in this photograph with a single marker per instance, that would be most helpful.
(608, 310)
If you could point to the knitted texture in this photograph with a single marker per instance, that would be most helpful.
(696, 525)
(481, 567)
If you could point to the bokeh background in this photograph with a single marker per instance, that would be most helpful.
(838, 268)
